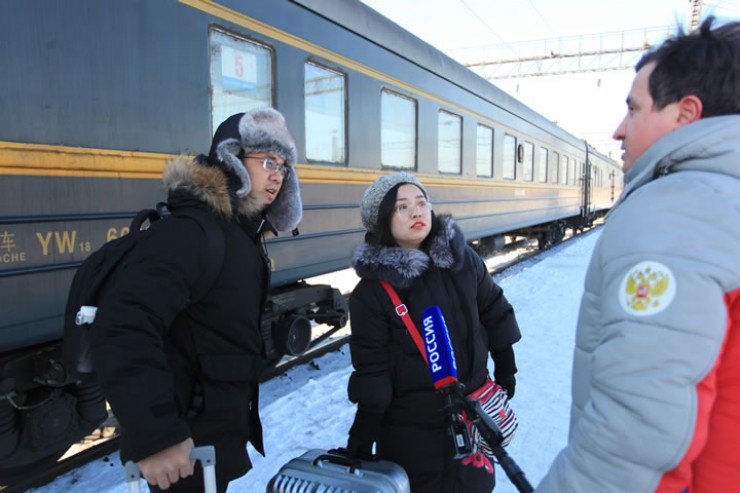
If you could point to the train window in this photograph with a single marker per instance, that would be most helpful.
(572, 171)
(484, 151)
(528, 161)
(598, 183)
(397, 130)
(542, 166)
(509, 170)
(563, 170)
(449, 143)
(324, 92)
(555, 167)
(241, 75)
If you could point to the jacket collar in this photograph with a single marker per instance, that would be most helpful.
(709, 144)
(185, 178)
(400, 266)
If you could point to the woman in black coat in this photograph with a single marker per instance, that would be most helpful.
(425, 258)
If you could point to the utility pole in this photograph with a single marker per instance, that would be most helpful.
(694, 14)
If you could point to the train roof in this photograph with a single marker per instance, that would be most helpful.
(362, 20)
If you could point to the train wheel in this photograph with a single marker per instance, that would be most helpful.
(559, 232)
(544, 240)
(293, 335)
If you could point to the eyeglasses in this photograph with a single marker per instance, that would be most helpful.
(270, 165)
(407, 210)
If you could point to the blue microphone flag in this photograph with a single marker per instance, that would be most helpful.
(438, 347)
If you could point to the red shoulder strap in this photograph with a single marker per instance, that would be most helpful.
(403, 312)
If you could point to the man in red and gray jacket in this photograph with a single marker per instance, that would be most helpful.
(656, 375)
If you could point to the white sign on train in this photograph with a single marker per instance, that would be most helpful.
(236, 66)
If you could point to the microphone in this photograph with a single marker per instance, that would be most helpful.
(442, 366)
(438, 347)
(440, 359)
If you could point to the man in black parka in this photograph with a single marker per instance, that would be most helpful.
(178, 373)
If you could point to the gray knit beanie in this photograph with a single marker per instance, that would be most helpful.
(376, 192)
(260, 130)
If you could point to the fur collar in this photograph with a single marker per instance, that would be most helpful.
(207, 184)
(210, 185)
(400, 266)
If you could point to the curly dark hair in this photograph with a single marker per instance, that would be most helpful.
(704, 63)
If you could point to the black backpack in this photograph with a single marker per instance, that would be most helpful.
(94, 274)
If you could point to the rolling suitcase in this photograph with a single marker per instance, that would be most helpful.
(319, 470)
(205, 455)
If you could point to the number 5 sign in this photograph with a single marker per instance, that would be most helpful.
(238, 69)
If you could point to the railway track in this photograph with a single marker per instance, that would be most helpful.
(105, 439)
(517, 254)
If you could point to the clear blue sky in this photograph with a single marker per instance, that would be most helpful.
(589, 105)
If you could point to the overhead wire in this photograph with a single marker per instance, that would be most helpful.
(722, 8)
(544, 20)
(490, 29)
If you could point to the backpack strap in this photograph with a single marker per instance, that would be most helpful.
(403, 312)
(215, 249)
(144, 215)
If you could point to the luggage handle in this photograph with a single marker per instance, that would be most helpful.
(338, 459)
(205, 454)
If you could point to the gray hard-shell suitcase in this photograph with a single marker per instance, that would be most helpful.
(206, 455)
(319, 470)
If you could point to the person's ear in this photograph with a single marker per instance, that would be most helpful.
(689, 109)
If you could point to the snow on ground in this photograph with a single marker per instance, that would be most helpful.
(308, 407)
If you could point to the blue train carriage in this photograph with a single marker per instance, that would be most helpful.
(100, 93)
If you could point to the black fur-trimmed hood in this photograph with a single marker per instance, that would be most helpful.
(258, 130)
(210, 185)
(185, 176)
(400, 266)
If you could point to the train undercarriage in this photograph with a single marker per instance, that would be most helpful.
(546, 234)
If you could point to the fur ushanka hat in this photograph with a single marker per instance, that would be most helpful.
(260, 130)
(376, 192)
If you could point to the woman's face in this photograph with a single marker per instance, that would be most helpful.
(412, 217)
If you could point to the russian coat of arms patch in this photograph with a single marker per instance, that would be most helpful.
(647, 288)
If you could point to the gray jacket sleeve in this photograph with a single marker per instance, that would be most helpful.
(651, 327)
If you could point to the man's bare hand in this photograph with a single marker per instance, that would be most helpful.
(169, 465)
